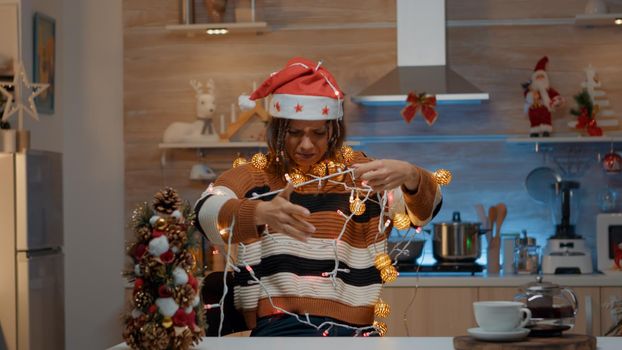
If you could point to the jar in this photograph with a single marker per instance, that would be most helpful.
(553, 308)
(526, 255)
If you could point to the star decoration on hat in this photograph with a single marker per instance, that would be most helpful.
(325, 110)
(277, 106)
(298, 108)
(21, 84)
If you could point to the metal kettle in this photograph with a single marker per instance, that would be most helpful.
(553, 308)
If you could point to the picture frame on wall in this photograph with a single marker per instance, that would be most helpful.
(44, 51)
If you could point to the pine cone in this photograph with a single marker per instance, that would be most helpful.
(186, 260)
(151, 267)
(155, 337)
(184, 295)
(176, 235)
(143, 233)
(143, 299)
(166, 201)
(183, 341)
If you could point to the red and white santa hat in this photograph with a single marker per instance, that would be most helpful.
(541, 65)
(302, 90)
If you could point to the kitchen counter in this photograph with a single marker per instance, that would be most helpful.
(386, 343)
(410, 279)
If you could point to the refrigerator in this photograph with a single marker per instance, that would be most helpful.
(31, 251)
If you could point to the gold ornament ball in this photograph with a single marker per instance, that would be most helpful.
(239, 161)
(347, 153)
(335, 167)
(381, 328)
(442, 177)
(259, 161)
(382, 309)
(161, 224)
(401, 221)
(297, 177)
(388, 274)
(319, 169)
(382, 260)
(167, 322)
(357, 206)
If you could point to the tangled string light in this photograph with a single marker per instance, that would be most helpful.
(337, 172)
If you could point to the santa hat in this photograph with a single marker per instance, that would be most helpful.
(541, 65)
(302, 90)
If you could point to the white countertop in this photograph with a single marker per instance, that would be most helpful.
(386, 343)
(411, 279)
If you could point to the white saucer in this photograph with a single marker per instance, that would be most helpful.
(512, 335)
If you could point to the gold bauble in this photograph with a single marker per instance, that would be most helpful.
(388, 274)
(357, 206)
(401, 221)
(333, 168)
(297, 177)
(167, 322)
(382, 260)
(381, 328)
(319, 169)
(442, 177)
(259, 161)
(161, 224)
(347, 154)
(239, 161)
(382, 309)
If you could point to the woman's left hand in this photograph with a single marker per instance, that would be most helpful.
(387, 174)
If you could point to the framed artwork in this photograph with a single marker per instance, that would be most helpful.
(44, 50)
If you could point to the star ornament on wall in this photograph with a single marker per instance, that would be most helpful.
(21, 86)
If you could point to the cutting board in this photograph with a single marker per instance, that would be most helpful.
(565, 342)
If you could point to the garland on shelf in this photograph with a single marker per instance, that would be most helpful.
(165, 311)
(335, 172)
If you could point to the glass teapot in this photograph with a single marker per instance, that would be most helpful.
(553, 308)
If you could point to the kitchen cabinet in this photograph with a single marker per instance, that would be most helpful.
(606, 295)
(433, 311)
(583, 293)
(448, 311)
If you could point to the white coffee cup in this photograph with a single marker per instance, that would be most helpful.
(501, 316)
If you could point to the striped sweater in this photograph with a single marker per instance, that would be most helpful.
(291, 270)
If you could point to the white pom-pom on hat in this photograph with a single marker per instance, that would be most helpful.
(167, 306)
(245, 102)
(158, 246)
(180, 276)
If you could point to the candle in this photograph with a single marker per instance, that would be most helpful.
(222, 124)
(232, 113)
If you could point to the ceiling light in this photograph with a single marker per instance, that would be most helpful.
(618, 21)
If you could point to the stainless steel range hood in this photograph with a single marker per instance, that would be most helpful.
(421, 61)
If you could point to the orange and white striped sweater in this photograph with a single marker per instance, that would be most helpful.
(292, 270)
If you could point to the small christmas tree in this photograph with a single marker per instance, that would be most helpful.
(165, 311)
(586, 114)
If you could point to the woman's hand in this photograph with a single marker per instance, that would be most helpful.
(284, 217)
(387, 174)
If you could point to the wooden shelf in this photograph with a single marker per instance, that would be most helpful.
(607, 19)
(232, 27)
(565, 139)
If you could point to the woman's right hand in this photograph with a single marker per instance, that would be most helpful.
(284, 217)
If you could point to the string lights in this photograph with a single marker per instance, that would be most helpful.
(335, 173)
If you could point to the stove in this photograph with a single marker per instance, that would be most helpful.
(440, 268)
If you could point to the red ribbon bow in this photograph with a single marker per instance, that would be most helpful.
(420, 101)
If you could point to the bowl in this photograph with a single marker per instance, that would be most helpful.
(402, 251)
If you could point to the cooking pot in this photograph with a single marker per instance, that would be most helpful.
(456, 241)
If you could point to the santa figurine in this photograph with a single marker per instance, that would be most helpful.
(540, 100)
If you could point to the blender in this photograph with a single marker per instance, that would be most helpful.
(566, 252)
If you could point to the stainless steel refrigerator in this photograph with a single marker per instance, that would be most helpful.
(31, 251)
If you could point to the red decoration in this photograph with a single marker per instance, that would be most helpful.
(165, 291)
(156, 233)
(298, 108)
(325, 110)
(617, 255)
(152, 309)
(421, 102)
(583, 119)
(192, 281)
(180, 318)
(139, 251)
(612, 162)
(167, 257)
(138, 284)
(593, 129)
(277, 106)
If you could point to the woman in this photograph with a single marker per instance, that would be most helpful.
(307, 261)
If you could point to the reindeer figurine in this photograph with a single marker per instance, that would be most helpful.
(203, 128)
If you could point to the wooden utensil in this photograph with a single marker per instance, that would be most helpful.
(492, 257)
(502, 212)
(492, 218)
(481, 214)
